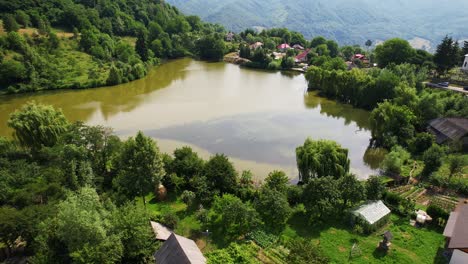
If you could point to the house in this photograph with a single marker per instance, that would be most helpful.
(456, 230)
(230, 36)
(161, 232)
(298, 47)
(459, 257)
(302, 57)
(371, 215)
(283, 47)
(465, 64)
(448, 130)
(256, 45)
(360, 57)
(278, 55)
(179, 250)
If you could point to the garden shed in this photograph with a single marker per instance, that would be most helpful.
(371, 215)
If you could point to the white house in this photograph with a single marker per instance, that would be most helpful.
(465, 63)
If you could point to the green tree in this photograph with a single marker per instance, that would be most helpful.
(315, 42)
(352, 190)
(273, 208)
(211, 47)
(447, 55)
(421, 142)
(368, 44)
(141, 167)
(9, 23)
(374, 188)
(81, 232)
(186, 163)
(456, 164)
(37, 125)
(321, 197)
(115, 76)
(432, 159)
(221, 174)
(277, 180)
(229, 217)
(321, 158)
(22, 18)
(141, 46)
(394, 50)
(395, 160)
(303, 251)
(392, 124)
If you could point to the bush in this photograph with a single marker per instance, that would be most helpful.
(437, 212)
(170, 219)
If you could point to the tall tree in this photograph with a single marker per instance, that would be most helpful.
(141, 45)
(321, 158)
(447, 55)
(352, 190)
(368, 44)
(277, 180)
(395, 50)
(321, 197)
(37, 125)
(9, 23)
(141, 167)
(221, 174)
(273, 208)
(374, 188)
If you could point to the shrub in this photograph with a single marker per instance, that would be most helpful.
(437, 212)
(170, 219)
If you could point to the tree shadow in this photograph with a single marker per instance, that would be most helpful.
(379, 253)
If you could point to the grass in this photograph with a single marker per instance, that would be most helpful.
(409, 245)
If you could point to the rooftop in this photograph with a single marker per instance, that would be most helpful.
(179, 250)
(372, 211)
(457, 228)
(449, 128)
(161, 232)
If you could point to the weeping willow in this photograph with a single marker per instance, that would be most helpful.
(321, 158)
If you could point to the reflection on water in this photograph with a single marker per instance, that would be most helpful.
(256, 117)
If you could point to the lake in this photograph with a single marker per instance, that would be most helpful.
(257, 118)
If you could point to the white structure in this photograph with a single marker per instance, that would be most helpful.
(465, 64)
(372, 212)
(459, 257)
(161, 232)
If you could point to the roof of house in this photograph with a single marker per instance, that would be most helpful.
(457, 228)
(256, 45)
(372, 211)
(302, 55)
(459, 257)
(297, 46)
(359, 56)
(284, 46)
(449, 128)
(161, 232)
(179, 250)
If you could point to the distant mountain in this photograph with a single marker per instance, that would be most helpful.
(425, 22)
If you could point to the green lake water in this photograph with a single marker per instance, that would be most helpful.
(256, 118)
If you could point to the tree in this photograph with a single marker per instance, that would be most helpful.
(22, 18)
(321, 158)
(37, 125)
(374, 188)
(352, 190)
(303, 251)
(80, 232)
(131, 224)
(456, 164)
(188, 197)
(115, 76)
(287, 62)
(394, 50)
(392, 124)
(186, 163)
(231, 218)
(315, 42)
(395, 160)
(221, 174)
(277, 180)
(321, 197)
(141, 167)
(211, 47)
(421, 142)
(368, 44)
(11, 226)
(432, 159)
(9, 23)
(273, 208)
(141, 46)
(447, 55)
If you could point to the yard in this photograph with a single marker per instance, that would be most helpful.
(409, 245)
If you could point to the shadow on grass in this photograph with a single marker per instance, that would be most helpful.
(379, 253)
(304, 228)
(442, 257)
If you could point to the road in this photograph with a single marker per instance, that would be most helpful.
(452, 88)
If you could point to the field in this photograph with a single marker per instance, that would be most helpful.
(409, 245)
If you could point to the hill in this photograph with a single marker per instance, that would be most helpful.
(347, 21)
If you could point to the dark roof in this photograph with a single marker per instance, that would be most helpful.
(179, 250)
(457, 228)
(448, 128)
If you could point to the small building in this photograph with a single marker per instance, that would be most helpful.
(283, 47)
(465, 64)
(230, 37)
(459, 257)
(371, 215)
(448, 130)
(422, 217)
(256, 45)
(179, 250)
(298, 47)
(278, 55)
(456, 230)
(303, 57)
(161, 232)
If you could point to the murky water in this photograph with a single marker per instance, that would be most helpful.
(257, 118)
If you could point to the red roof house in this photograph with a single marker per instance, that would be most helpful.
(284, 46)
(302, 57)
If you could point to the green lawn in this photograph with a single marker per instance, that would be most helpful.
(409, 245)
